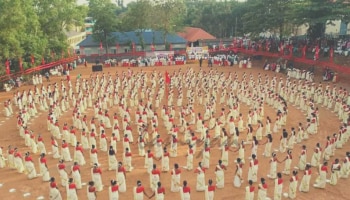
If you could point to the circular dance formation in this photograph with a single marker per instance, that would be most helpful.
(243, 118)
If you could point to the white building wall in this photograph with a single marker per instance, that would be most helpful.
(333, 27)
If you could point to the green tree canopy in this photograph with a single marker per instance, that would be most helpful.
(104, 12)
(36, 28)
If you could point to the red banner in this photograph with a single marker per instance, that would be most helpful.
(7, 64)
(43, 61)
(32, 59)
(117, 47)
(331, 55)
(317, 52)
(304, 52)
(282, 48)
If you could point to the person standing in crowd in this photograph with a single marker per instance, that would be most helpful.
(249, 191)
(200, 186)
(305, 181)
(91, 191)
(293, 185)
(175, 178)
(322, 177)
(262, 192)
(210, 190)
(278, 187)
(185, 191)
(139, 191)
(159, 192)
(54, 193)
(113, 190)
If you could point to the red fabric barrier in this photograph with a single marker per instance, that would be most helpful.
(331, 65)
(179, 62)
(158, 63)
(38, 68)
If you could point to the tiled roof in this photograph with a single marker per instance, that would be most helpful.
(123, 38)
(192, 34)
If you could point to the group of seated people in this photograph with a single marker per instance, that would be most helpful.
(152, 61)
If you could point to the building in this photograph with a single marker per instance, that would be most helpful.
(125, 41)
(195, 36)
(334, 29)
(337, 27)
(74, 38)
(89, 23)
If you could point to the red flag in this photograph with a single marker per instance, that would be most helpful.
(331, 54)
(167, 78)
(152, 47)
(7, 64)
(117, 47)
(304, 52)
(43, 61)
(32, 59)
(20, 64)
(101, 47)
(220, 45)
(317, 51)
(282, 48)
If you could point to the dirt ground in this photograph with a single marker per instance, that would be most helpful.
(9, 135)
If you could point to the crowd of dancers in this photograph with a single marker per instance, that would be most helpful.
(145, 102)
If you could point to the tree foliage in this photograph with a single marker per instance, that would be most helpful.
(255, 16)
(268, 15)
(36, 28)
(104, 12)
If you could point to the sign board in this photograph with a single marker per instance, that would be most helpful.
(195, 53)
(160, 54)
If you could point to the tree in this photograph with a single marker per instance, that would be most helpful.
(34, 42)
(316, 13)
(36, 28)
(55, 18)
(170, 15)
(268, 15)
(12, 23)
(104, 12)
(138, 18)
